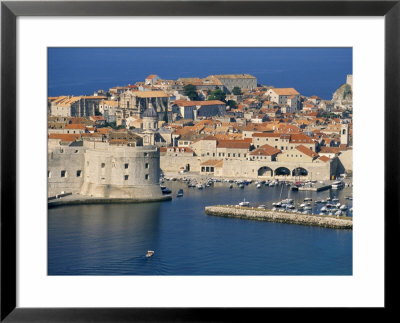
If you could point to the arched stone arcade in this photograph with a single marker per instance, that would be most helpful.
(282, 171)
(265, 171)
(299, 171)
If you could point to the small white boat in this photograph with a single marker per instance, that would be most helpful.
(261, 207)
(338, 213)
(258, 185)
(307, 199)
(343, 207)
(180, 193)
(244, 203)
(335, 200)
(149, 253)
(230, 186)
(323, 209)
(200, 186)
(337, 184)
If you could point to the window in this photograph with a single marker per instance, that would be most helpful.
(145, 154)
(126, 165)
(146, 165)
(244, 155)
(78, 173)
(63, 173)
(229, 154)
(48, 174)
(238, 155)
(103, 165)
(126, 177)
(233, 155)
(146, 176)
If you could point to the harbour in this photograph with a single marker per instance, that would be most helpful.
(112, 239)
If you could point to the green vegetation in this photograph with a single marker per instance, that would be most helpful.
(232, 104)
(347, 91)
(217, 94)
(190, 91)
(112, 125)
(236, 91)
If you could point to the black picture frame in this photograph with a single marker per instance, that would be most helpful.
(10, 10)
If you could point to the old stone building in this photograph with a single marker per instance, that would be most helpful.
(243, 81)
(118, 168)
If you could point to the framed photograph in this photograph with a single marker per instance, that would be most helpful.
(176, 160)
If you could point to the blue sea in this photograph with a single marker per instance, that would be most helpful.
(113, 239)
(311, 71)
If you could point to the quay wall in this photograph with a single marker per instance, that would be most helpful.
(280, 217)
(174, 163)
(243, 168)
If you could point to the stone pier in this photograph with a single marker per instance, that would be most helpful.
(248, 213)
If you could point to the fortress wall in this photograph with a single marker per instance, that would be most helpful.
(69, 160)
(174, 163)
(121, 172)
(346, 159)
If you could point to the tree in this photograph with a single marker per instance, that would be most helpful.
(237, 91)
(217, 94)
(231, 103)
(190, 91)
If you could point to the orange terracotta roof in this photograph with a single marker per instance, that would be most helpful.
(266, 134)
(285, 91)
(307, 151)
(151, 76)
(213, 162)
(324, 158)
(265, 150)
(103, 130)
(64, 136)
(75, 126)
(235, 144)
(150, 94)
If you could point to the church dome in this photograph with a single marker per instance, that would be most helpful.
(150, 112)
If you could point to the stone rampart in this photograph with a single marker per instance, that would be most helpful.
(64, 169)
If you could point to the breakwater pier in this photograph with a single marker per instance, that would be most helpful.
(249, 213)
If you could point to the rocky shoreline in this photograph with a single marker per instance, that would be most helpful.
(247, 213)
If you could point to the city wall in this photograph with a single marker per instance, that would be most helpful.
(64, 169)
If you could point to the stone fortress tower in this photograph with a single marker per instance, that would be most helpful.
(349, 80)
(114, 171)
